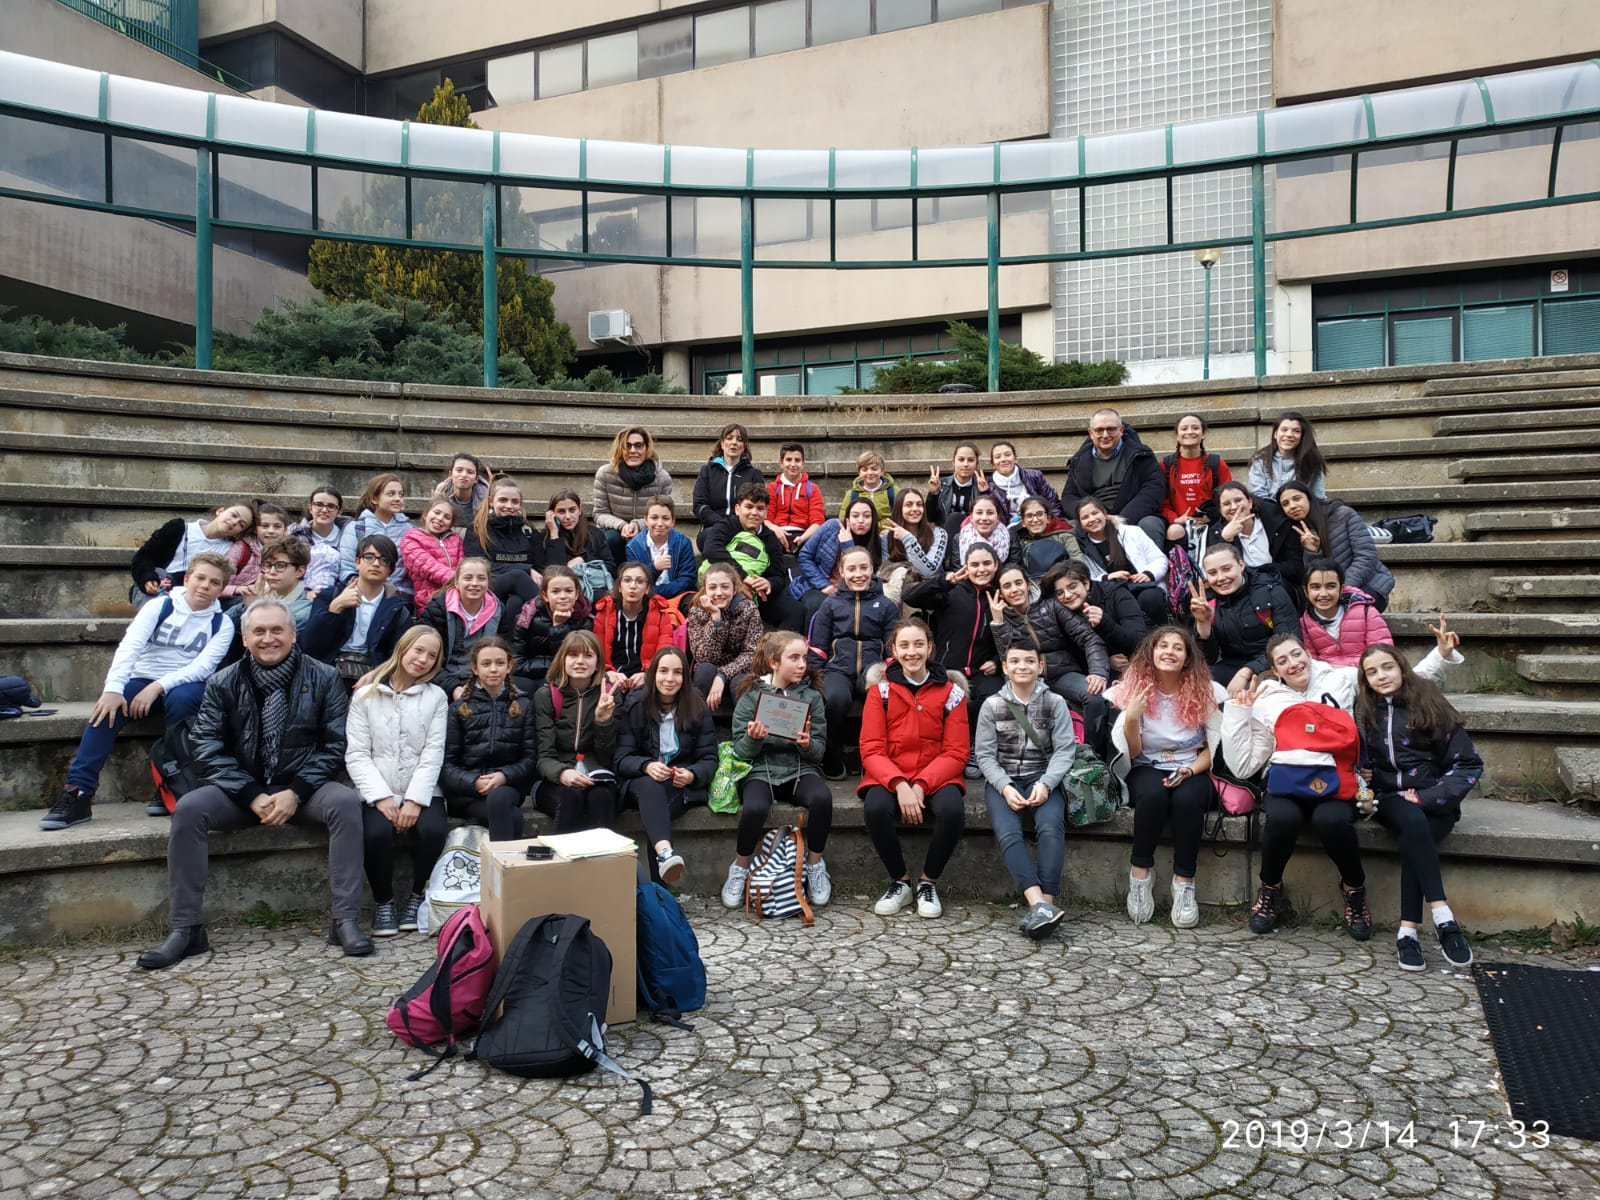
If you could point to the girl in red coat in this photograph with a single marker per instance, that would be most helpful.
(1339, 622)
(914, 746)
(632, 624)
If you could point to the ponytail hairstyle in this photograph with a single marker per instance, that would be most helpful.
(766, 661)
(480, 519)
(478, 647)
(375, 486)
(1428, 713)
(1116, 557)
(576, 539)
(1308, 461)
(1193, 703)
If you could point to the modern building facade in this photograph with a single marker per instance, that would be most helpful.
(861, 74)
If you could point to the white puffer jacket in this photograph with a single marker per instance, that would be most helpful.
(394, 741)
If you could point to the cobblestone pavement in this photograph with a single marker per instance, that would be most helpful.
(862, 1058)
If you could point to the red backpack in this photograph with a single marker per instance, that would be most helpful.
(449, 999)
(1318, 749)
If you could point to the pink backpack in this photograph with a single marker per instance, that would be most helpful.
(448, 1000)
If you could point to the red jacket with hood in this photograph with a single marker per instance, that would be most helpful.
(914, 735)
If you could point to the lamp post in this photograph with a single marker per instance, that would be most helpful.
(1208, 257)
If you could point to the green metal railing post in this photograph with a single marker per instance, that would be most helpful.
(993, 272)
(1258, 265)
(1205, 371)
(491, 292)
(747, 280)
(202, 259)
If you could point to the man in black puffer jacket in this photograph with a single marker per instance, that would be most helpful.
(268, 745)
(1114, 467)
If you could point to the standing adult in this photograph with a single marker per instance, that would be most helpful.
(269, 741)
(727, 471)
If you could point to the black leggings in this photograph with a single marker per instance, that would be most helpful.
(1420, 833)
(378, 834)
(513, 588)
(500, 810)
(660, 804)
(947, 810)
(756, 797)
(1335, 823)
(592, 807)
(1154, 803)
(839, 691)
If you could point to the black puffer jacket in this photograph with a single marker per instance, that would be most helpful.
(574, 731)
(1442, 772)
(1243, 623)
(1123, 624)
(959, 616)
(1067, 640)
(539, 637)
(639, 744)
(485, 736)
(851, 629)
(513, 544)
(1141, 492)
(226, 735)
(1282, 543)
(717, 485)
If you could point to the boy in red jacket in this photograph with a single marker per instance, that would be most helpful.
(794, 503)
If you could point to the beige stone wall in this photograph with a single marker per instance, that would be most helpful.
(333, 26)
(1324, 47)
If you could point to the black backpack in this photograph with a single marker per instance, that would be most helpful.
(545, 1014)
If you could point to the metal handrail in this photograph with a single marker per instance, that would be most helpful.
(139, 31)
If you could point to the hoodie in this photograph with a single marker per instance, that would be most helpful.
(795, 505)
(367, 524)
(171, 643)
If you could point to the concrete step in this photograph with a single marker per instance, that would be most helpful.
(1545, 587)
(60, 657)
(1515, 379)
(1538, 520)
(1560, 668)
(1532, 419)
(1476, 626)
(1510, 866)
(1450, 575)
(1566, 465)
(1578, 768)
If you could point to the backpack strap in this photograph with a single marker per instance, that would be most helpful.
(1034, 736)
(165, 611)
(593, 1046)
(555, 700)
(509, 967)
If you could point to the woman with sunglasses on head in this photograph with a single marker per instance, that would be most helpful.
(625, 487)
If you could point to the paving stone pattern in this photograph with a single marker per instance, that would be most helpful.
(862, 1058)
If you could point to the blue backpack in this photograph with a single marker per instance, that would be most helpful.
(672, 979)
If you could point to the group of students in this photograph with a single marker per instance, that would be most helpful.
(584, 655)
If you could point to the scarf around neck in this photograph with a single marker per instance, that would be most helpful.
(635, 478)
(271, 685)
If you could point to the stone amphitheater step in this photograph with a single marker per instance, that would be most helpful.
(1578, 769)
(1581, 465)
(1450, 575)
(1537, 520)
(1518, 375)
(61, 656)
(1559, 668)
(1510, 866)
(1533, 419)
(1556, 588)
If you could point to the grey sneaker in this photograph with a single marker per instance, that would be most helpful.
(409, 914)
(384, 921)
(1040, 921)
(819, 884)
(1141, 899)
(896, 897)
(669, 866)
(1454, 944)
(928, 900)
(733, 888)
(1185, 909)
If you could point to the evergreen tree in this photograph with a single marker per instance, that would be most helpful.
(1021, 370)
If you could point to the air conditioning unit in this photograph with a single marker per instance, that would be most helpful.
(610, 325)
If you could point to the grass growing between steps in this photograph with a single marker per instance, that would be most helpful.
(1576, 936)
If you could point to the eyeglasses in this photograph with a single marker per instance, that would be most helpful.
(1105, 429)
(324, 504)
(275, 566)
(636, 446)
(373, 558)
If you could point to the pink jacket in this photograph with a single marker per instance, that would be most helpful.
(430, 562)
(1362, 626)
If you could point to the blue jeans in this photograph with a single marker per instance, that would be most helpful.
(1049, 822)
(94, 747)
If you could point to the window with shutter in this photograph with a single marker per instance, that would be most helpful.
(1572, 327)
(1344, 345)
(1505, 331)
(1423, 340)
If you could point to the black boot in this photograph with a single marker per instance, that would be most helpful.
(348, 935)
(180, 944)
(156, 808)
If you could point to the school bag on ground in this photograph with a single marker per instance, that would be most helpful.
(776, 886)
(672, 979)
(545, 1013)
(17, 694)
(1317, 752)
(448, 1001)
(456, 879)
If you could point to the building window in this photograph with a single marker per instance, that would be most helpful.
(722, 37)
(838, 20)
(613, 59)
(560, 70)
(666, 47)
(902, 14)
(780, 26)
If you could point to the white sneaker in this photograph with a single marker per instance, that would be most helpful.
(733, 889)
(894, 899)
(819, 886)
(1141, 899)
(1185, 909)
(928, 900)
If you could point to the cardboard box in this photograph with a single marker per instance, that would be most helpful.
(517, 889)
